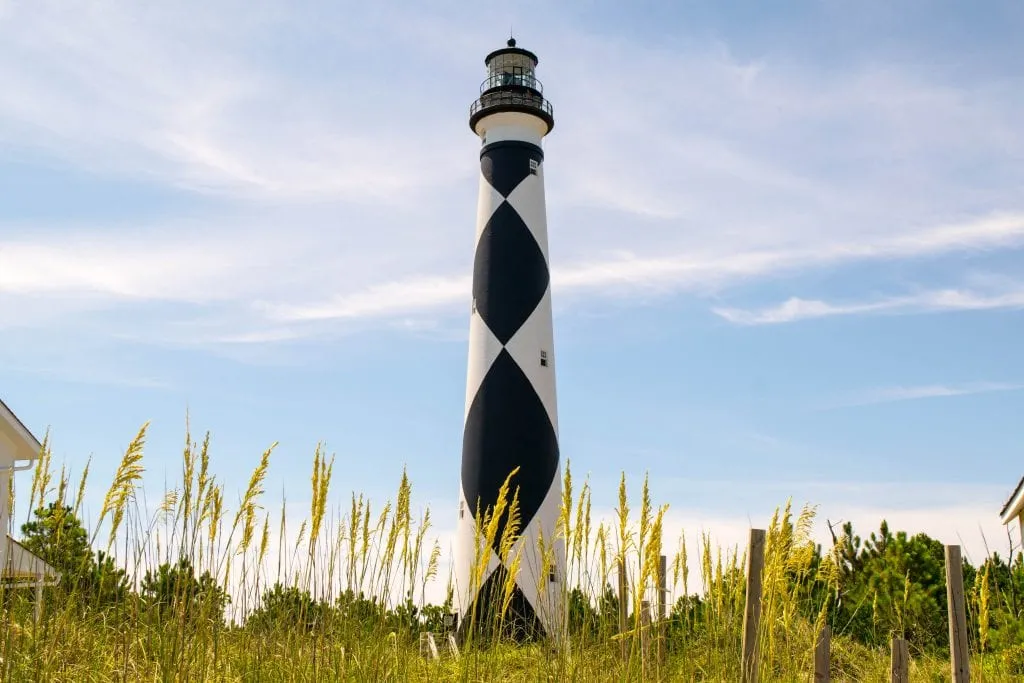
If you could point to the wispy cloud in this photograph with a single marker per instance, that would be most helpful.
(350, 191)
(913, 393)
(390, 299)
(162, 93)
(794, 309)
(624, 274)
(257, 299)
(797, 309)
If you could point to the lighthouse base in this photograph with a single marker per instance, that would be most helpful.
(484, 621)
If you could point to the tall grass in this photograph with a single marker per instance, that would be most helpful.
(353, 585)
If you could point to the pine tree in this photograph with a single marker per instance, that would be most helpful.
(57, 536)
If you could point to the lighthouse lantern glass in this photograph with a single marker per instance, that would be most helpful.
(512, 69)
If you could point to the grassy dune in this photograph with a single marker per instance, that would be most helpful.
(197, 590)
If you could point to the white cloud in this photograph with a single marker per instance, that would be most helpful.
(350, 190)
(389, 299)
(796, 309)
(624, 274)
(241, 284)
(165, 93)
(714, 267)
(911, 393)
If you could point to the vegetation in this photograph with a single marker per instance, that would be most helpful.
(195, 591)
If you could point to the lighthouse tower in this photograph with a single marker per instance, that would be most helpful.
(511, 419)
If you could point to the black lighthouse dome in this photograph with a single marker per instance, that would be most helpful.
(511, 86)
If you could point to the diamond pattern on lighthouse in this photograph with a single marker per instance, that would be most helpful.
(510, 273)
(506, 164)
(531, 348)
(487, 348)
(528, 200)
(509, 427)
(488, 200)
(511, 417)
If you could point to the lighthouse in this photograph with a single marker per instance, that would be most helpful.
(511, 418)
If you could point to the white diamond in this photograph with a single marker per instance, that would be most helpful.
(525, 346)
(528, 201)
(484, 347)
(487, 203)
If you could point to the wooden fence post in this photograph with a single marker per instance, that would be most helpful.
(623, 606)
(662, 590)
(822, 656)
(752, 611)
(663, 612)
(900, 662)
(959, 655)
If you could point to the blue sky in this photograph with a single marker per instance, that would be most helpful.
(787, 244)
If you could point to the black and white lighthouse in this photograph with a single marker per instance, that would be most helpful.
(511, 417)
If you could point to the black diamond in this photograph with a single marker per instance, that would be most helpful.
(520, 622)
(507, 427)
(510, 274)
(505, 164)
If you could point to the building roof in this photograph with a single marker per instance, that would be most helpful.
(1014, 506)
(24, 567)
(26, 445)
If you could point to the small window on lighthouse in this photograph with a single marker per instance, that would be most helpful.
(543, 359)
(534, 166)
(461, 509)
(551, 576)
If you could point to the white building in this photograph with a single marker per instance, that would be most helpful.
(18, 451)
(1014, 508)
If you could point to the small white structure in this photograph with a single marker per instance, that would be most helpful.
(1014, 508)
(18, 449)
